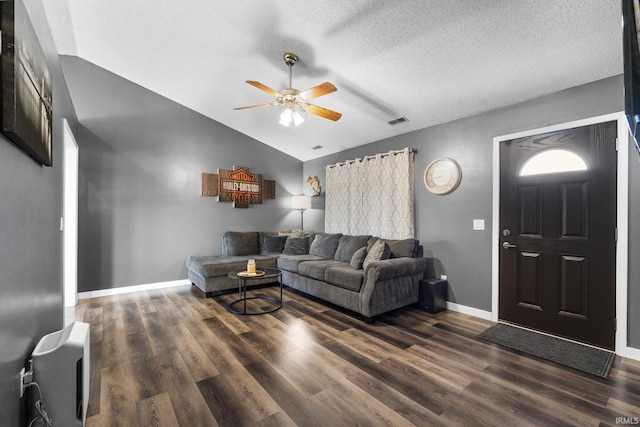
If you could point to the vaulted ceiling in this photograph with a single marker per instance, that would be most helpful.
(431, 61)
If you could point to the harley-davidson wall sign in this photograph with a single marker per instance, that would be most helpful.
(238, 186)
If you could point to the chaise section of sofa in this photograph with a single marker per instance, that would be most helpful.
(211, 273)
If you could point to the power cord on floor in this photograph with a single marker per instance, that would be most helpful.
(41, 409)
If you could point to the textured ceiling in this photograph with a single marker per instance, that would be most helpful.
(430, 61)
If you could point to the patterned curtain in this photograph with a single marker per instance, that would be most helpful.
(373, 196)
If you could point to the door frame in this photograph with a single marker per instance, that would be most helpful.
(69, 221)
(622, 217)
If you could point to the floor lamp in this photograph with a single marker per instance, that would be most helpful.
(301, 203)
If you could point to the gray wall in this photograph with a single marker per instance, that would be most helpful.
(30, 241)
(444, 223)
(141, 213)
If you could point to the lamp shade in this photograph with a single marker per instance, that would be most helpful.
(300, 202)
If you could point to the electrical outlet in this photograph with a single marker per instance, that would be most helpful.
(478, 224)
(26, 377)
(22, 381)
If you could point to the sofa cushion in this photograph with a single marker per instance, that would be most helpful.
(379, 251)
(238, 243)
(403, 248)
(214, 266)
(345, 277)
(324, 245)
(316, 269)
(347, 245)
(296, 246)
(272, 244)
(291, 262)
(358, 258)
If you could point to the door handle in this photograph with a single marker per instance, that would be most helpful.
(508, 245)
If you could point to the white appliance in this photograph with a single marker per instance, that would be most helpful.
(61, 369)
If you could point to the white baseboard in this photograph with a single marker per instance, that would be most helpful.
(632, 353)
(486, 315)
(134, 288)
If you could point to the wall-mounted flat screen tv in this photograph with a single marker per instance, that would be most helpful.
(25, 85)
(631, 57)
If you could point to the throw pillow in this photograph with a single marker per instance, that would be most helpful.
(296, 246)
(379, 251)
(238, 243)
(402, 248)
(358, 258)
(272, 244)
(347, 245)
(324, 245)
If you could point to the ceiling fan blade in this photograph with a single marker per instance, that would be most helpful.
(322, 112)
(254, 106)
(262, 87)
(321, 89)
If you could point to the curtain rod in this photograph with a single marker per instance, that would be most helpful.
(388, 153)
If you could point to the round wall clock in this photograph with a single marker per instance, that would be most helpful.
(442, 176)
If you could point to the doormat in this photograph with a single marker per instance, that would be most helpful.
(577, 356)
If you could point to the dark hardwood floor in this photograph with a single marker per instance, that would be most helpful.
(174, 358)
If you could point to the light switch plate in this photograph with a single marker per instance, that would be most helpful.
(478, 224)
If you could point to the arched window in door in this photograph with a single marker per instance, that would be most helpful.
(553, 161)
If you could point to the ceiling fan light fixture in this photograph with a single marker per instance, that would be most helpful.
(290, 118)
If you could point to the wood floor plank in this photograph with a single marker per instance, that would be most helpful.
(367, 345)
(114, 345)
(295, 405)
(96, 421)
(360, 408)
(188, 404)
(279, 419)
(401, 378)
(226, 408)
(173, 357)
(397, 337)
(545, 395)
(95, 374)
(197, 361)
(249, 402)
(463, 358)
(144, 372)
(93, 316)
(623, 409)
(117, 396)
(144, 303)
(523, 404)
(156, 411)
(239, 349)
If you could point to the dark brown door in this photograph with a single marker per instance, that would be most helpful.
(557, 236)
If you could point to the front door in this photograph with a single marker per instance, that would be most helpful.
(557, 233)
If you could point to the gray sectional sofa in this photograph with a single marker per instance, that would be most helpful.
(364, 274)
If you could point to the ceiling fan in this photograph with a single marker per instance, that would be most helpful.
(292, 98)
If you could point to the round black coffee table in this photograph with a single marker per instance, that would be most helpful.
(243, 279)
